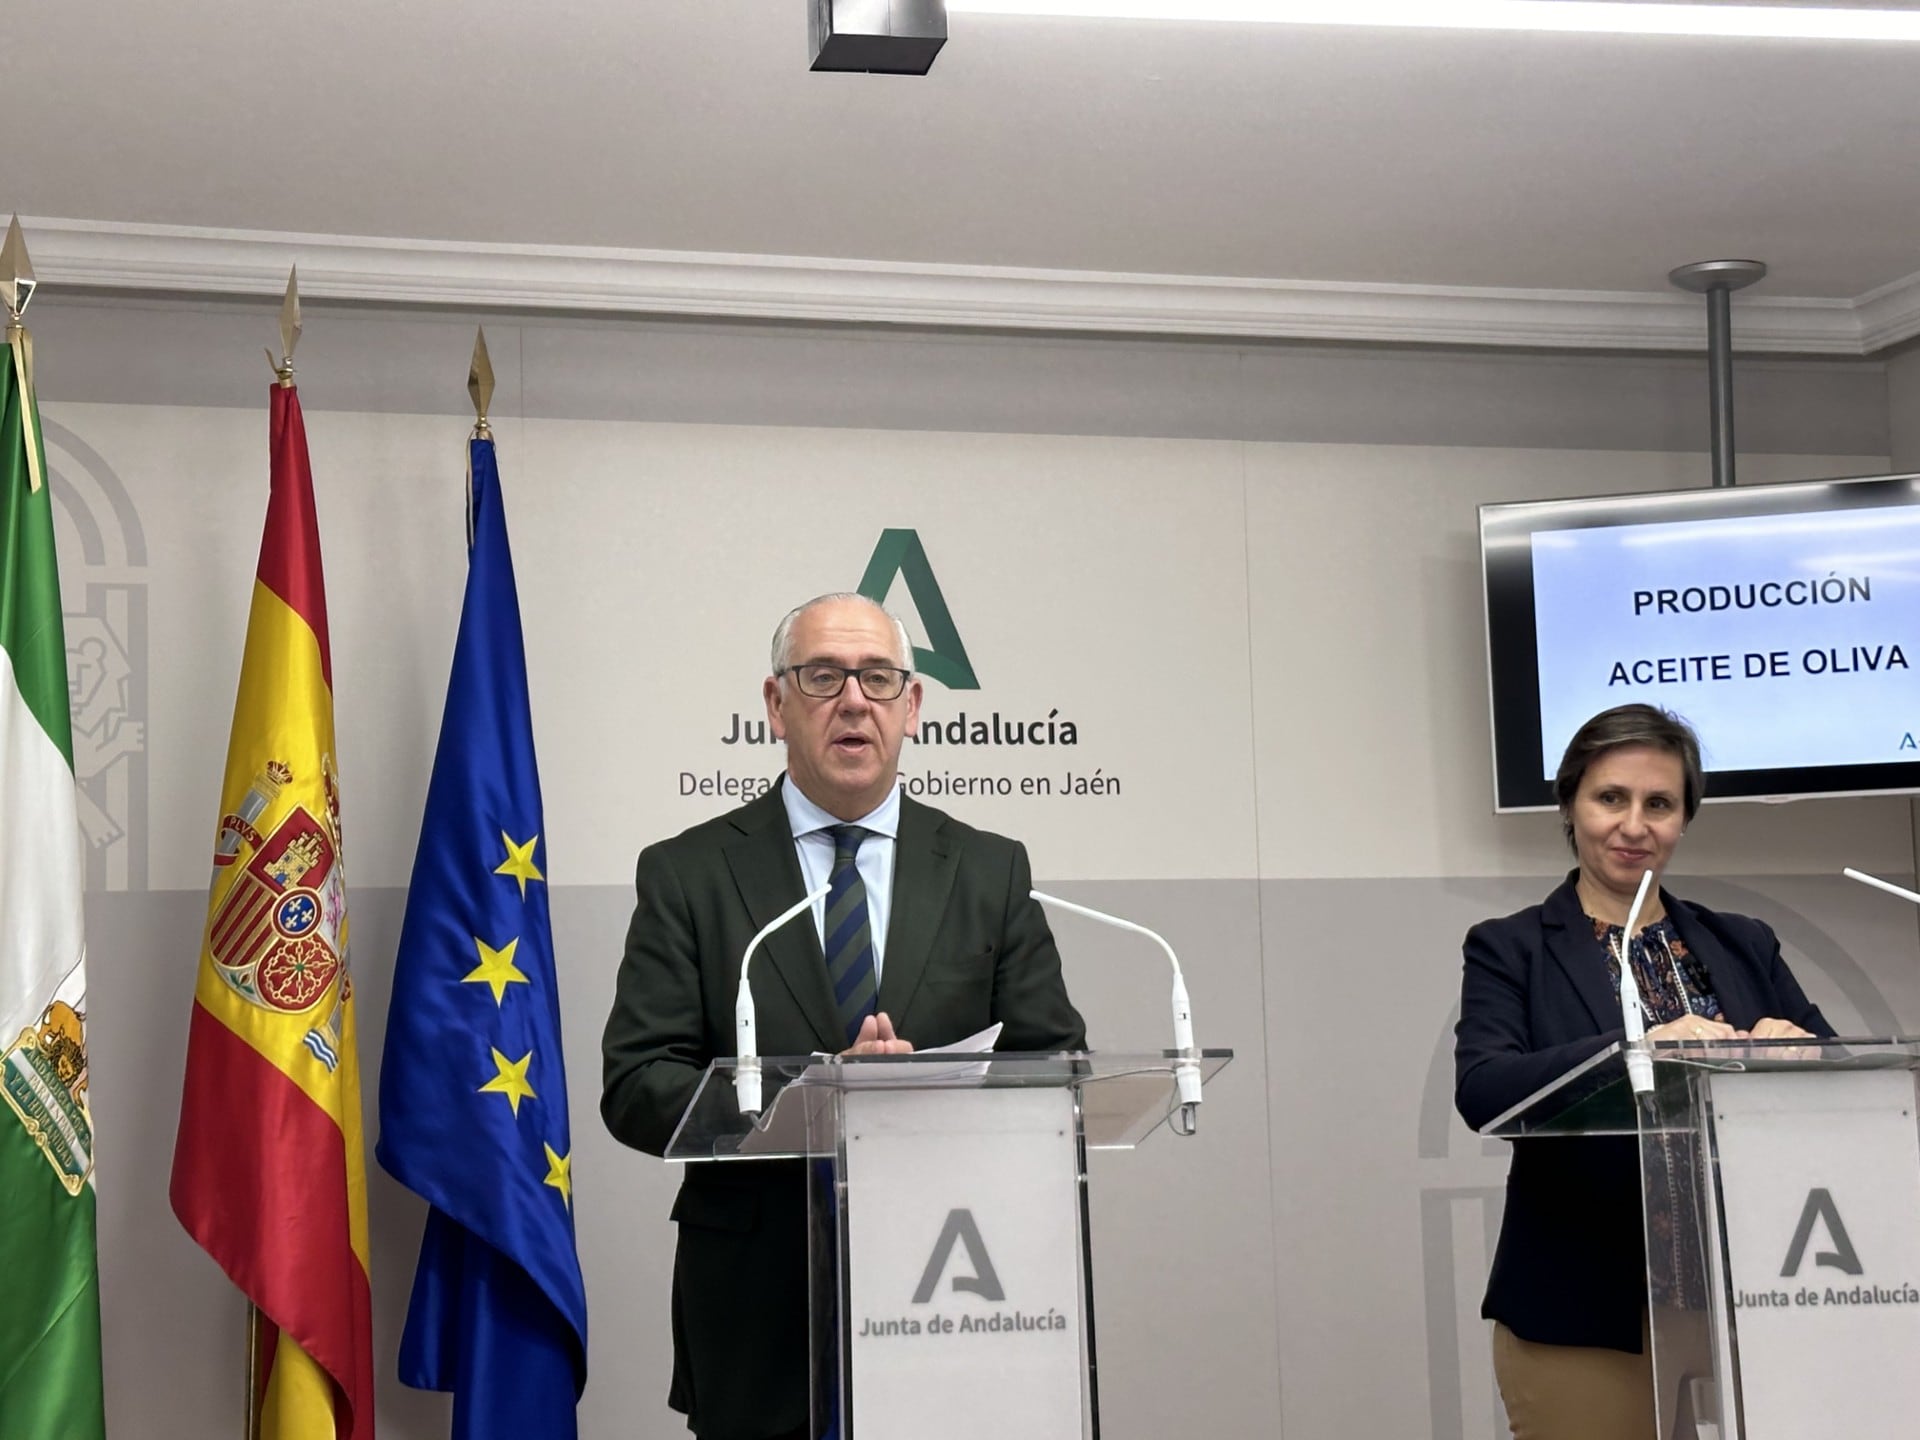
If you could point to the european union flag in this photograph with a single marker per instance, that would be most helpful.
(473, 1091)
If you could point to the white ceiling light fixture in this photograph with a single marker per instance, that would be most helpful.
(1607, 17)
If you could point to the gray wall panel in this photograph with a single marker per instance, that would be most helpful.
(1903, 410)
(367, 359)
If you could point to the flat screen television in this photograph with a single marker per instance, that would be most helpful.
(1781, 621)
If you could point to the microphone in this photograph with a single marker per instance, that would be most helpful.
(746, 1073)
(1632, 1012)
(1186, 1065)
(1879, 884)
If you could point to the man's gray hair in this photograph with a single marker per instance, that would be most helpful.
(783, 632)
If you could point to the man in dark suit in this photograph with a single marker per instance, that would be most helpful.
(927, 935)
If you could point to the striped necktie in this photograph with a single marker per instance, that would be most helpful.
(849, 933)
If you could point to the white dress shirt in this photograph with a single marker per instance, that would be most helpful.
(813, 844)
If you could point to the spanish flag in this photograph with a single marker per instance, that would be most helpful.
(269, 1176)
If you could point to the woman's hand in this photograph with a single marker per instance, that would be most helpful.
(1699, 1027)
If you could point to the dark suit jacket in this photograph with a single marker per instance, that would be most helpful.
(966, 946)
(1535, 1001)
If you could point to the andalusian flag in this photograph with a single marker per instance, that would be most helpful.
(268, 1171)
(50, 1297)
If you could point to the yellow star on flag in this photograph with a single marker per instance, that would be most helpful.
(560, 1174)
(511, 1081)
(519, 862)
(496, 968)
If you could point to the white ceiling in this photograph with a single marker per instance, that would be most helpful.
(1345, 157)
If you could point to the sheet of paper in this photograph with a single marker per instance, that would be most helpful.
(972, 1045)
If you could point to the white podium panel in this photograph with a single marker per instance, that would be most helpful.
(1820, 1202)
(1781, 1189)
(949, 1268)
(965, 1264)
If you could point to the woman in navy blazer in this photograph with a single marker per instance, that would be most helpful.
(1540, 994)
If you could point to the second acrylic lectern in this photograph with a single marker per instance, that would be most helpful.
(949, 1251)
(1781, 1202)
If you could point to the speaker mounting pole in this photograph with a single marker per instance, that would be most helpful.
(1717, 280)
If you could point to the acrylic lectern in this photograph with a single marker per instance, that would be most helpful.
(1781, 1200)
(948, 1246)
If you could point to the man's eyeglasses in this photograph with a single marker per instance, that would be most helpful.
(824, 682)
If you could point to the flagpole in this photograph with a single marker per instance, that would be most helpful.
(480, 388)
(283, 370)
(251, 1428)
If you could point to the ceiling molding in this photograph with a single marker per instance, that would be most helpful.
(1889, 314)
(187, 260)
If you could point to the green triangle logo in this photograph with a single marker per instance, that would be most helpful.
(901, 553)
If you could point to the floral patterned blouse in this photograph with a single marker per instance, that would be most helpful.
(1672, 981)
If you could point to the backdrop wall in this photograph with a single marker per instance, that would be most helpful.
(1243, 577)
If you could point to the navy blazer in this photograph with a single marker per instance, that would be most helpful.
(1535, 1000)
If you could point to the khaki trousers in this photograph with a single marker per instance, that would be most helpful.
(1581, 1392)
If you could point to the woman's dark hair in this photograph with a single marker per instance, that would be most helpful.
(1629, 725)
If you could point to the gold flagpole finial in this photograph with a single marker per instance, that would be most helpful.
(16, 274)
(16, 289)
(289, 329)
(480, 385)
